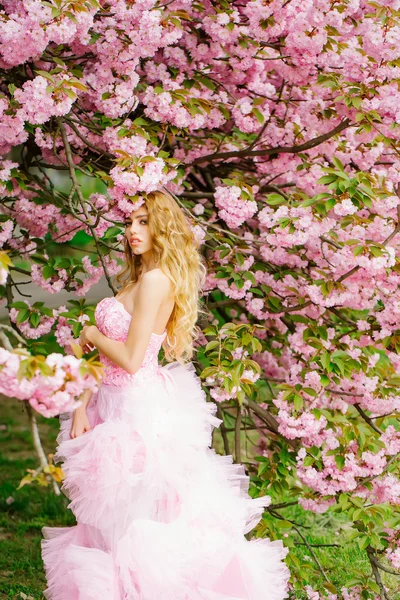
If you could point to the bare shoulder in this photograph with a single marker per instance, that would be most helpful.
(156, 280)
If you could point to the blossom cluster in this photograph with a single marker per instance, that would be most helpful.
(51, 386)
(232, 208)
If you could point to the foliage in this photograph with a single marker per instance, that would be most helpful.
(275, 124)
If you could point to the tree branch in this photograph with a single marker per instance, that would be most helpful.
(75, 182)
(306, 543)
(386, 467)
(386, 569)
(87, 142)
(238, 422)
(223, 430)
(7, 344)
(312, 553)
(283, 505)
(278, 149)
(367, 419)
(38, 446)
(269, 420)
(32, 422)
(376, 574)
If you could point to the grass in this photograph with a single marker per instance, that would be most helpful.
(24, 512)
(339, 562)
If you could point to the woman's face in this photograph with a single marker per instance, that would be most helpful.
(137, 231)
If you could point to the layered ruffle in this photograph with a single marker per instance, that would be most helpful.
(161, 516)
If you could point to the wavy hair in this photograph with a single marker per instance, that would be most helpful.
(176, 252)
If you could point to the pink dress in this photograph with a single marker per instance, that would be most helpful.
(160, 515)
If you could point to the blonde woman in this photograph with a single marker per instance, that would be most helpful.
(160, 515)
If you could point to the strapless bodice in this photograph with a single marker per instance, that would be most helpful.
(113, 320)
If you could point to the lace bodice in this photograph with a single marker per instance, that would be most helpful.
(113, 320)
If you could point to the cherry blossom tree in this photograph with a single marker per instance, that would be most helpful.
(275, 124)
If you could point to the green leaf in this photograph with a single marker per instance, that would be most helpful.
(140, 121)
(211, 345)
(207, 82)
(327, 179)
(76, 329)
(248, 275)
(112, 232)
(48, 272)
(282, 524)
(39, 259)
(374, 587)
(23, 315)
(363, 541)
(330, 587)
(298, 402)
(376, 251)
(45, 74)
(258, 115)
(63, 263)
(209, 372)
(19, 305)
(340, 461)
(310, 391)
(338, 164)
(324, 380)
(330, 203)
(325, 361)
(308, 202)
(34, 320)
(70, 93)
(240, 258)
(275, 199)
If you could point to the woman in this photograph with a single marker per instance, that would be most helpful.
(160, 515)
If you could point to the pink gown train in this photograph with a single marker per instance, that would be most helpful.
(160, 515)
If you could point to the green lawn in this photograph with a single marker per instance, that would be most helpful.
(33, 507)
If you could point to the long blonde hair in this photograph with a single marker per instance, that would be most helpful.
(176, 252)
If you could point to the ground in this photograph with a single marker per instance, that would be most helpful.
(24, 512)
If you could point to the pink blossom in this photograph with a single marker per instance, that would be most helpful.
(346, 207)
(38, 105)
(317, 506)
(198, 209)
(232, 208)
(44, 393)
(394, 557)
(52, 284)
(44, 326)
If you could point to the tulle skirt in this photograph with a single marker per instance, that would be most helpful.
(160, 515)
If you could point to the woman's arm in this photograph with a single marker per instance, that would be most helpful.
(152, 292)
(80, 422)
(85, 399)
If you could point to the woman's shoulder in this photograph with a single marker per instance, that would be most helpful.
(157, 275)
(157, 281)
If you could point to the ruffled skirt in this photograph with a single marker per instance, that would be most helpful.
(160, 515)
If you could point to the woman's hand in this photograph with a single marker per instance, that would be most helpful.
(80, 423)
(84, 339)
